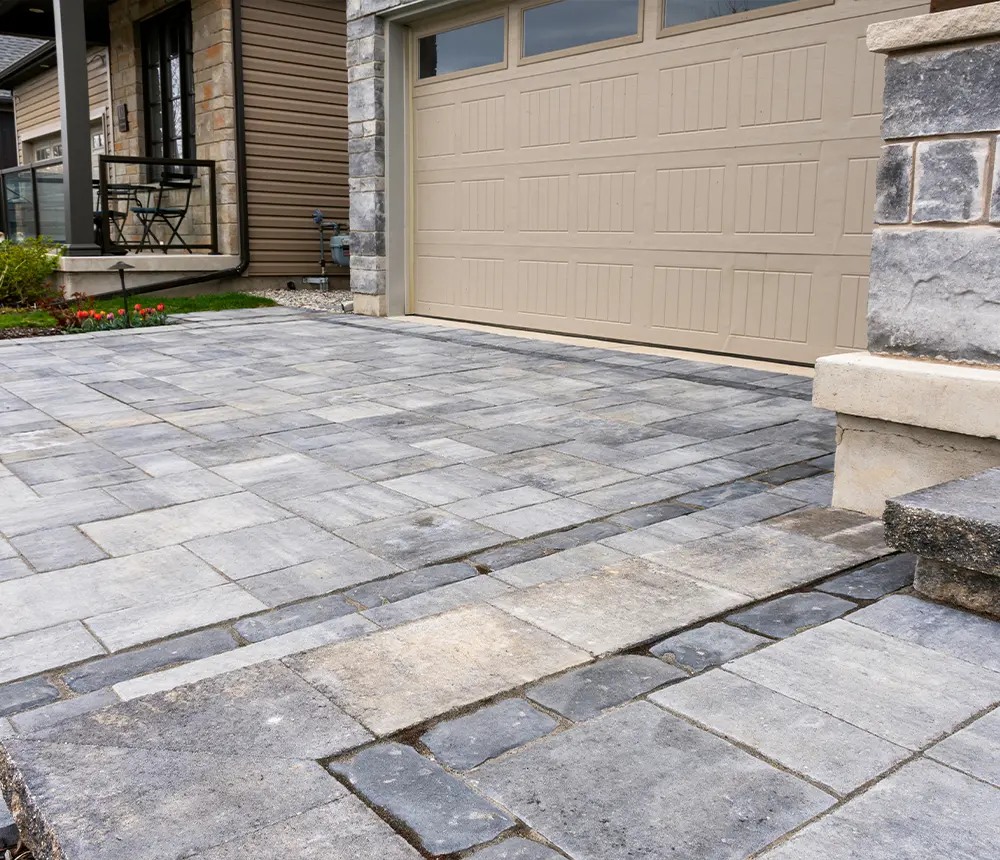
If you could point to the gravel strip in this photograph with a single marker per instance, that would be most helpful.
(311, 299)
(12, 333)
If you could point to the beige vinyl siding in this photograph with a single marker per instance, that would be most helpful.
(295, 86)
(36, 102)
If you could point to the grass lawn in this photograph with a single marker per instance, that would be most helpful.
(173, 304)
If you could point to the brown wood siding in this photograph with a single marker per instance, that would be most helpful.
(295, 86)
(36, 102)
(947, 5)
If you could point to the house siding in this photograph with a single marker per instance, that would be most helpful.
(295, 88)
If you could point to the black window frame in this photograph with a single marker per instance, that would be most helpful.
(157, 36)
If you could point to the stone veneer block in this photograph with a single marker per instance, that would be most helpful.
(900, 34)
(969, 589)
(995, 203)
(953, 91)
(950, 180)
(935, 293)
(893, 184)
(957, 523)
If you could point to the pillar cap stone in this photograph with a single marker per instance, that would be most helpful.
(937, 28)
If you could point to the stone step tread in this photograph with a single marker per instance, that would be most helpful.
(957, 522)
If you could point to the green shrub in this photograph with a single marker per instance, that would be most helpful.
(26, 270)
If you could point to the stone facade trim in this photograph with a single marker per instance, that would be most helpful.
(976, 22)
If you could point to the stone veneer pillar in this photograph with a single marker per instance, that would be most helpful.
(923, 405)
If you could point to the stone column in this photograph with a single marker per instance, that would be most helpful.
(366, 132)
(922, 406)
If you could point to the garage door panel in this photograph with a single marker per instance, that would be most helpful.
(710, 191)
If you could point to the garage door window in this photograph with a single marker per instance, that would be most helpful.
(568, 24)
(476, 46)
(678, 12)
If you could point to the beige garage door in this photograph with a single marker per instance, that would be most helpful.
(704, 179)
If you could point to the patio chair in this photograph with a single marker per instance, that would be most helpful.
(171, 189)
(119, 202)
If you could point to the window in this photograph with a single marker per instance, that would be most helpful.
(689, 11)
(572, 23)
(465, 48)
(168, 77)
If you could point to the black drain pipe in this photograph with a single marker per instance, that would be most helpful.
(242, 205)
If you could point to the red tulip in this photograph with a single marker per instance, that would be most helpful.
(159, 307)
(138, 307)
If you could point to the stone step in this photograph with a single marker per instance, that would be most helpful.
(955, 530)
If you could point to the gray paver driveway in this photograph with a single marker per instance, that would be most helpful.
(261, 539)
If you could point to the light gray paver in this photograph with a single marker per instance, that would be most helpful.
(570, 562)
(584, 693)
(9, 836)
(517, 848)
(159, 528)
(448, 485)
(265, 709)
(478, 589)
(500, 502)
(940, 628)
(263, 548)
(785, 616)
(922, 812)
(442, 811)
(137, 625)
(758, 560)
(545, 517)
(796, 736)
(465, 742)
(752, 509)
(423, 538)
(685, 792)
(398, 678)
(260, 652)
(709, 645)
(37, 651)
(902, 692)
(172, 490)
(148, 796)
(339, 509)
(48, 599)
(286, 476)
(18, 517)
(343, 830)
(617, 607)
(663, 536)
(52, 549)
(974, 750)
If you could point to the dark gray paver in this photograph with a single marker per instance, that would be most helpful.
(711, 645)
(466, 742)
(975, 750)
(444, 814)
(638, 782)
(294, 617)
(794, 472)
(52, 549)
(584, 693)
(154, 803)
(874, 580)
(263, 710)
(119, 667)
(517, 848)
(797, 736)
(846, 529)
(587, 533)
(423, 538)
(21, 695)
(787, 615)
(748, 510)
(899, 691)
(638, 517)
(940, 628)
(723, 493)
(922, 812)
(957, 523)
(343, 830)
(9, 836)
(478, 589)
(406, 585)
(61, 711)
(508, 556)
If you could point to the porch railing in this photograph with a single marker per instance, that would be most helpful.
(141, 205)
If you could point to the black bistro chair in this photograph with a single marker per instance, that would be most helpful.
(120, 199)
(169, 201)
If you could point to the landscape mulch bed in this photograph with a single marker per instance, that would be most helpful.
(28, 331)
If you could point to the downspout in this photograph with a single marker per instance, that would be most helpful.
(242, 205)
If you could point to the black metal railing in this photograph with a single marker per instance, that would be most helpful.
(156, 204)
(140, 204)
